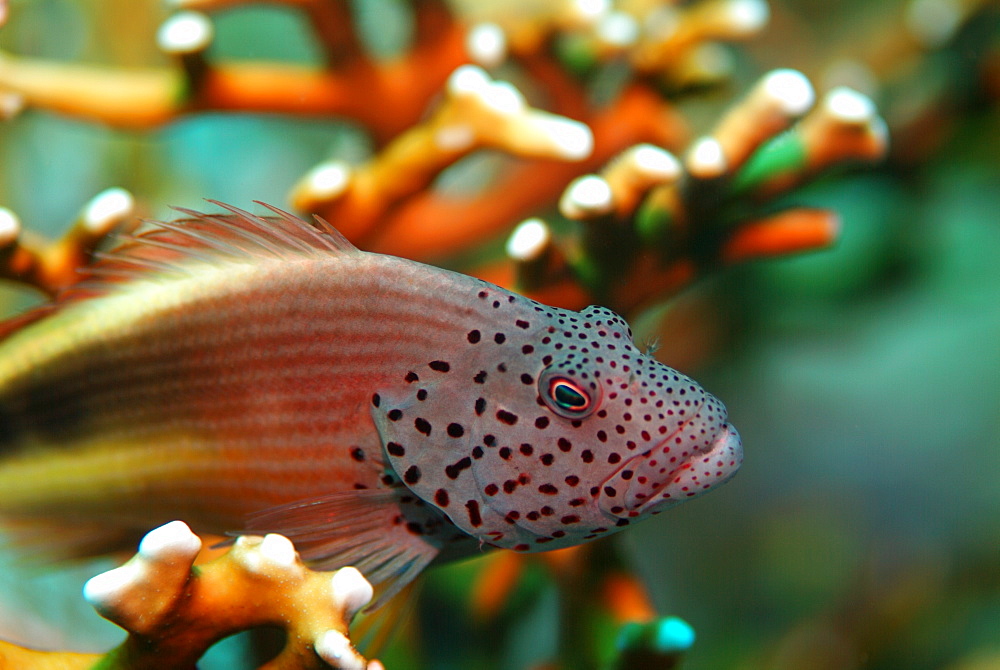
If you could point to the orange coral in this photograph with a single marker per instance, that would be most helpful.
(174, 612)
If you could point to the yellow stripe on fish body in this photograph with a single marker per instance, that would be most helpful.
(264, 375)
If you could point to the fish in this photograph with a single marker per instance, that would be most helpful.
(254, 374)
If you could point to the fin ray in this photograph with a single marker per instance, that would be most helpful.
(359, 528)
(236, 236)
(168, 249)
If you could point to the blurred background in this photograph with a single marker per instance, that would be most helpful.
(863, 530)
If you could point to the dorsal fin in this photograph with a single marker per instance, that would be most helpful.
(238, 236)
(173, 248)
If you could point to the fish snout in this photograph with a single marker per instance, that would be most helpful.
(675, 471)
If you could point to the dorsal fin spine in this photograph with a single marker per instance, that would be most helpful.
(322, 232)
(280, 233)
(153, 241)
(147, 264)
(237, 237)
(206, 240)
(254, 239)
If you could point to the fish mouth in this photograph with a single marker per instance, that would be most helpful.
(652, 481)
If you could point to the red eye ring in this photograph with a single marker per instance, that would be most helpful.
(562, 390)
(568, 395)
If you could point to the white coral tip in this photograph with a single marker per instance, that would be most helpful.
(655, 163)
(107, 209)
(586, 196)
(748, 16)
(618, 29)
(486, 44)
(185, 32)
(504, 98)
(104, 590)
(172, 540)
(791, 90)
(528, 240)
(334, 648)
(934, 22)
(850, 106)
(10, 226)
(706, 159)
(573, 140)
(328, 180)
(277, 550)
(351, 590)
(588, 11)
(468, 80)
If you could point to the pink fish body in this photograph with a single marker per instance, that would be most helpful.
(252, 374)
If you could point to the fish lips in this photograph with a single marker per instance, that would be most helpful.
(651, 483)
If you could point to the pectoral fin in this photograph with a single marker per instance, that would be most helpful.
(386, 534)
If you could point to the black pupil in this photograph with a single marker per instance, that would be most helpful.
(568, 397)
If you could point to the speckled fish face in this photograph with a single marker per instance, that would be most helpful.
(551, 428)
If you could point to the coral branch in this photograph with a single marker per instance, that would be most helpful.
(621, 185)
(116, 97)
(530, 247)
(174, 612)
(148, 98)
(54, 266)
(652, 224)
(784, 233)
(657, 644)
(844, 127)
(186, 36)
(770, 107)
(672, 33)
(13, 657)
(626, 598)
(476, 113)
(358, 89)
(637, 115)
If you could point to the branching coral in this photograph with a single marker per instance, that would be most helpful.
(605, 193)
(174, 611)
(53, 266)
(711, 209)
(476, 113)
(650, 224)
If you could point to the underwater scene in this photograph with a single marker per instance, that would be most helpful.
(391, 334)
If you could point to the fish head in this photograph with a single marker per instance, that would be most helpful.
(563, 433)
(654, 436)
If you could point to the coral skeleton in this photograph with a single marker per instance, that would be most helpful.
(175, 610)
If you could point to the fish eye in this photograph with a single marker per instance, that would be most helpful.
(565, 396)
(568, 396)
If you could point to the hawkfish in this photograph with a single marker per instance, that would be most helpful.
(253, 374)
